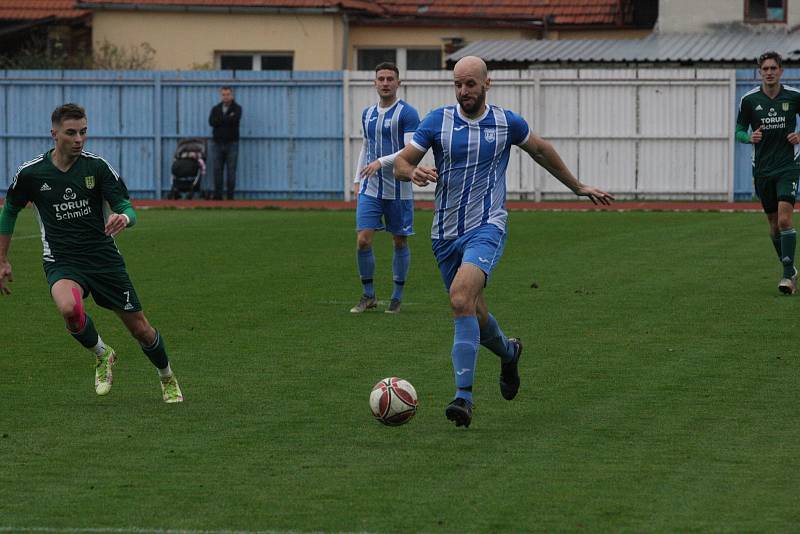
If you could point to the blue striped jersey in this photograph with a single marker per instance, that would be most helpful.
(384, 131)
(471, 160)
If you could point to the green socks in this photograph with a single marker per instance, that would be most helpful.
(788, 240)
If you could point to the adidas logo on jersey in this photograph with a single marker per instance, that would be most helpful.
(759, 108)
(128, 306)
(44, 187)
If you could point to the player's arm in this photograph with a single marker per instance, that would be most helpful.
(385, 162)
(360, 166)
(123, 217)
(545, 155)
(409, 122)
(406, 167)
(794, 137)
(743, 125)
(115, 192)
(8, 219)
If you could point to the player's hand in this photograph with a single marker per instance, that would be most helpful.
(793, 138)
(756, 136)
(370, 169)
(5, 278)
(115, 224)
(595, 195)
(422, 176)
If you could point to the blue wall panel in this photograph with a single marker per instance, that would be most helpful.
(291, 130)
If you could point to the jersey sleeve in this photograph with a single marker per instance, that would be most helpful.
(18, 194)
(113, 188)
(16, 199)
(410, 120)
(745, 114)
(425, 135)
(114, 191)
(518, 129)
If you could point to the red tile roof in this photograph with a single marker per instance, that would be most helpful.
(40, 9)
(563, 12)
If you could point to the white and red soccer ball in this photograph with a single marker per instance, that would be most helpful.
(393, 401)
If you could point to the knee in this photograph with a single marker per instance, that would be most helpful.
(364, 243)
(400, 241)
(70, 315)
(461, 304)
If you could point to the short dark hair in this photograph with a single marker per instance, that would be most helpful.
(66, 112)
(770, 55)
(387, 65)
(226, 88)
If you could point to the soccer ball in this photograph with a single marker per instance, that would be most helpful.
(393, 401)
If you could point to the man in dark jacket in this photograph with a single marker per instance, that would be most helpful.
(225, 118)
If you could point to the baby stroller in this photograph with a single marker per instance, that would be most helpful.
(188, 167)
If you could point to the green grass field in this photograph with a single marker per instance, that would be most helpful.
(659, 392)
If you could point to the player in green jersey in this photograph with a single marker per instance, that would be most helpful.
(767, 119)
(81, 203)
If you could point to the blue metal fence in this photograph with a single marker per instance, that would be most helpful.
(291, 131)
(291, 128)
(746, 80)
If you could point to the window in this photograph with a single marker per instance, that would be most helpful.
(404, 58)
(256, 61)
(277, 62)
(236, 62)
(765, 10)
(424, 59)
(370, 57)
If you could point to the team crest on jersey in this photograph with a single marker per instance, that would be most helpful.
(772, 112)
(89, 181)
(387, 123)
(489, 134)
(69, 194)
(785, 106)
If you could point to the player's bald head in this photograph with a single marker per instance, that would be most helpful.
(471, 66)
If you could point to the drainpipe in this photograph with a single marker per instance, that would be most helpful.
(345, 40)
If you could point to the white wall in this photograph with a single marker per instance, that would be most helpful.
(689, 16)
(696, 15)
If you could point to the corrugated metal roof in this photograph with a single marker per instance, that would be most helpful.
(39, 9)
(725, 46)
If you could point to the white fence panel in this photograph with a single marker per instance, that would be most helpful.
(640, 133)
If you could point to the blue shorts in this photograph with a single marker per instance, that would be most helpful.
(398, 215)
(482, 247)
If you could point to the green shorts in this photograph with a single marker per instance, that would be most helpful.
(112, 290)
(771, 190)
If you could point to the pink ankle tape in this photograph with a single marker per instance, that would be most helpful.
(78, 308)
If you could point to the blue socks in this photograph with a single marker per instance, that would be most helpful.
(366, 269)
(400, 263)
(496, 341)
(465, 354)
